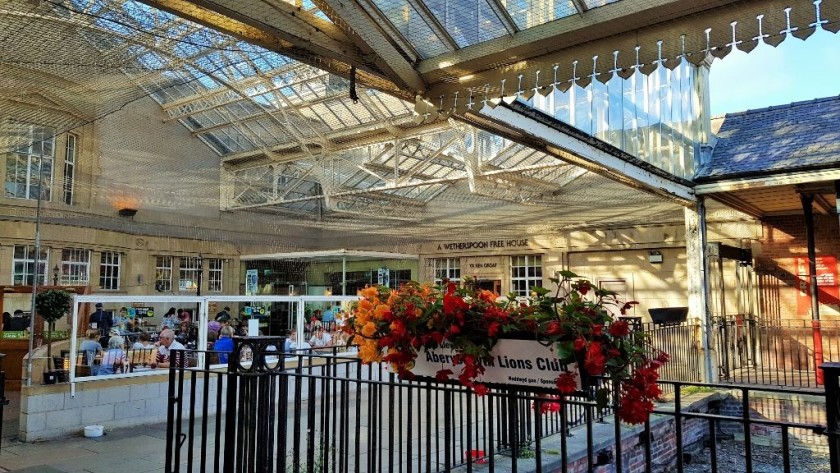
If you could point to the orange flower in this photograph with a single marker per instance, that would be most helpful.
(369, 329)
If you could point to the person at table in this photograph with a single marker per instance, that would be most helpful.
(293, 345)
(120, 319)
(143, 342)
(170, 319)
(223, 316)
(90, 346)
(320, 339)
(114, 358)
(165, 345)
(224, 344)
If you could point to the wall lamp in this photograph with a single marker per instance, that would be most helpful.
(130, 213)
(654, 256)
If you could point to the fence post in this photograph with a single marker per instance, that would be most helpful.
(831, 373)
(250, 422)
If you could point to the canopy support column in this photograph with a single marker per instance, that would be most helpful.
(808, 209)
(698, 283)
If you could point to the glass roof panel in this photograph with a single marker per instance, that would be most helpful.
(467, 21)
(412, 26)
(529, 13)
(597, 3)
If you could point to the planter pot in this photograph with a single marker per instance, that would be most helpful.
(515, 362)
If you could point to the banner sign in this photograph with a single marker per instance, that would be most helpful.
(828, 291)
(520, 362)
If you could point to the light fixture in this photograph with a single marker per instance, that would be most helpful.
(127, 212)
(654, 256)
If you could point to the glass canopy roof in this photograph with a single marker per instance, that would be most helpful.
(296, 140)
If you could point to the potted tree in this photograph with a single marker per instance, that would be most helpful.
(51, 306)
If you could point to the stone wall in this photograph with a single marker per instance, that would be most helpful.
(50, 411)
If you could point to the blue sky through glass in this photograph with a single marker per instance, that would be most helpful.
(794, 71)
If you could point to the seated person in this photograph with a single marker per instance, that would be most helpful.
(165, 345)
(114, 359)
(292, 344)
(320, 339)
(224, 343)
(90, 347)
(143, 342)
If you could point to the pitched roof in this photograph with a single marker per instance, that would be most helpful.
(795, 137)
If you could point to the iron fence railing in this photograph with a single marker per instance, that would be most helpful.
(779, 352)
(329, 413)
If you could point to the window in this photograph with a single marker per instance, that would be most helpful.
(30, 164)
(188, 274)
(214, 275)
(525, 274)
(447, 268)
(23, 265)
(69, 168)
(75, 266)
(163, 274)
(109, 270)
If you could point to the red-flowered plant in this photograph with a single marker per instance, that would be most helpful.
(393, 325)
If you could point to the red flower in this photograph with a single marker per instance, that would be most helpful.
(597, 329)
(595, 362)
(480, 389)
(443, 375)
(566, 383)
(553, 328)
(619, 328)
(579, 344)
(584, 287)
(493, 329)
(627, 306)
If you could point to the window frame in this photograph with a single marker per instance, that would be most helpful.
(109, 270)
(526, 263)
(33, 154)
(165, 282)
(185, 268)
(71, 151)
(68, 263)
(28, 275)
(215, 274)
(447, 268)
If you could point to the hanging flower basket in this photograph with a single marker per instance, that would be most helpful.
(462, 334)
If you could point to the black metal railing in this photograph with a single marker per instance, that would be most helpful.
(780, 352)
(330, 413)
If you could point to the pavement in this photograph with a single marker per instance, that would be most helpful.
(126, 450)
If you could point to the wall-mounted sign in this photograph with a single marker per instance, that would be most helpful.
(827, 289)
(383, 277)
(141, 312)
(482, 245)
(251, 276)
(485, 267)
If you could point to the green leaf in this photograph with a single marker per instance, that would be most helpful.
(540, 291)
(567, 274)
(565, 350)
